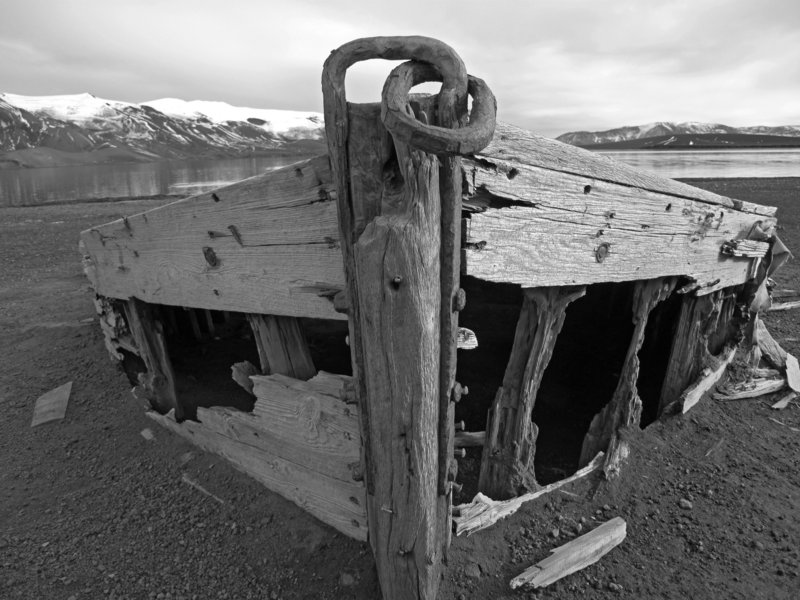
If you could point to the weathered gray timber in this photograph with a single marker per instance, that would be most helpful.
(378, 233)
(507, 465)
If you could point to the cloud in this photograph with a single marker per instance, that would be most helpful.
(553, 65)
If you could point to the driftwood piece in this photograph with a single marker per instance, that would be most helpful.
(752, 388)
(792, 373)
(709, 378)
(483, 512)
(785, 400)
(282, 346)
(785, 306)
(52, 406)
(335, 502)
(241, 373)
(158, 383)
(507, 461)
(574, 555)
(771, 350)
(625, 406)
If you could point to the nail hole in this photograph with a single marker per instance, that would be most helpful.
(396, 281)
(299, 172)
(587, 189)
(215, 197)
(512, 173)
(669, 207)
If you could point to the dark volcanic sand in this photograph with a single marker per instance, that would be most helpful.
(90, 509)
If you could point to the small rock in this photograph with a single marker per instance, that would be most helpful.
(606, 507)
(346, 579)
(615, 587)
(556, 532)
(685, 504)
(462, 597)
(758, 545)
(472, 570)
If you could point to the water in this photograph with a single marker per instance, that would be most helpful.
(19, 187)
(766, 162)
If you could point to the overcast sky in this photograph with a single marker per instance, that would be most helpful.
(554, 66)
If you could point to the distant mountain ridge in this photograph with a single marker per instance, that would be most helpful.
(667, 130)
(83, 129)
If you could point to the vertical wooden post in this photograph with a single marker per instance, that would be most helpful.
(625, 406)
(158, 384)
(401, 285)
(282, 346)
(507, 463)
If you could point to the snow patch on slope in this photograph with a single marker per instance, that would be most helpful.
(78, 108)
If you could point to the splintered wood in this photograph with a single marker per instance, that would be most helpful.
(483, 512)
(574, 556)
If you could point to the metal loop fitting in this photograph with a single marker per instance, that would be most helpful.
(400, 121)
(433, 60)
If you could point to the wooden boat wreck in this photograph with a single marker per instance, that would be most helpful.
(603, 291)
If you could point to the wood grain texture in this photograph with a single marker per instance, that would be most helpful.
(331, 500)
(514, 144)
(625, 407)
(282, 346)
(708, 379)
(158, 383)
(507, 467)
(282, 259)
(545, 228)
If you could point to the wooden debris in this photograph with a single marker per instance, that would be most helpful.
(468, 439)
(709, 378)
(745, 248)
(785, 400)
(752, 388)
(52, 406)
(574, 555)
(771, 350)
(792, 373)
(241, 373)
(785, 306)
(483, 512)
(191, 482)
(466, 340)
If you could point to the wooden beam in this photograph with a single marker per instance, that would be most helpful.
(625, 406)
(282, 346)
(507, 462)
(158, 383)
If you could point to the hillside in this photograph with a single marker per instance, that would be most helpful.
(40, 131)
(685, 135)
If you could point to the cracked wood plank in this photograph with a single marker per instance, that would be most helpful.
(268, 244)
(282, 346)
(339, 504)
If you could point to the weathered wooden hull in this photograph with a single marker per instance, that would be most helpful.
(538, 213)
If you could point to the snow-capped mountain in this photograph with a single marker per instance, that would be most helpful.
(76, 129)
(661, 128)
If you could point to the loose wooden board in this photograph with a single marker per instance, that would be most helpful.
(52, 406)
(332, 501)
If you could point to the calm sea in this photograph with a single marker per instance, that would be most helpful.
(20, 187)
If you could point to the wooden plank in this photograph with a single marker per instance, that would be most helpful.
(283, 258)
(574, 555)
(469, 439)
(513, 144)
(314, 427)
(770, 349)
(710, 377)
(282, 346)
(52, 406)
(752, 388)
(792, 372)
(550, 231)
(625, 407)
(332, 501)
(158, 383)
(507, 461)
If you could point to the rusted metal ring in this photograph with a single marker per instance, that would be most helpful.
(400, 121)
